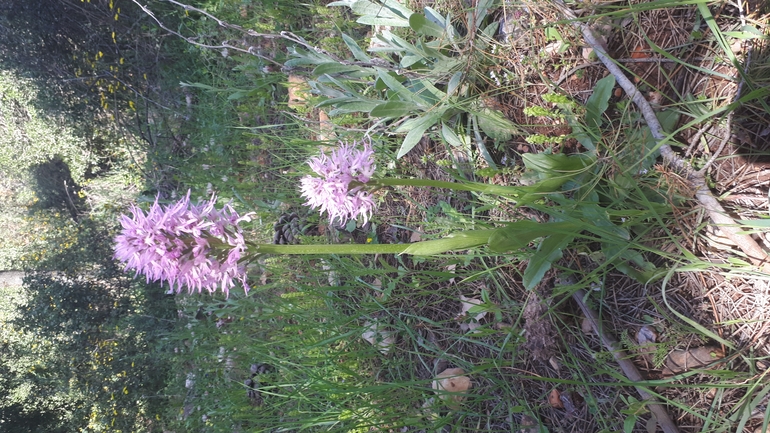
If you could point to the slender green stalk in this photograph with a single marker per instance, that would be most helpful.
(454, 242)
(329, 249)
(511, 191)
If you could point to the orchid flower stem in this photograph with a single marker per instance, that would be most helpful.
(454, 242)
(328, 249)
(509, 191)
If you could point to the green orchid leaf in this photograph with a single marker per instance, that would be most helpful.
(418, 130)
(393, 109)
(420, 24)
(357, 52)
(557, 165)
(519, 234)
(598, 102)
(549, 251)
(454, 242)
(495, 125)
(451, 137)
(332, 68)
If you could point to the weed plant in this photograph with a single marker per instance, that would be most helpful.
(291, 355)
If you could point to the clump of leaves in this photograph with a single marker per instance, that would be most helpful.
(422, 87)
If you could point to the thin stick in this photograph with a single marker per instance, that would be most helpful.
(703, 194)
(628, 367)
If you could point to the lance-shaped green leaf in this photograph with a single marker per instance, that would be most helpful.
(357, 52)
(402, 91)
(494, 124)
(357, 106)
(388, 13)
(599, 101)
(550, 165)
(549, 251)
(418, 129)
(519, 234)
(420, 24)
(454, 242)
(333, 68)
(394, 109)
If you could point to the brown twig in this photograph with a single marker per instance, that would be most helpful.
(223, 45)
(628, 367)
(697, 179)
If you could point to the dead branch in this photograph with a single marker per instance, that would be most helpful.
(628, 367)
(697, 179)
(223, 45)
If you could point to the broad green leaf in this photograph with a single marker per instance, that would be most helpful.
(393, 109)
(336, 101)
(480, 12)
(584, 137)
(447, 65)
(556, 164)
(519, 234)
(427, 91)
(489, 32)
(622, 258)
(551, 34)
(454, 83)
(747, 32)
(435, 17)
(599, 101)
(418, 130)
(398, 8)
(480, 143)
(423, 26)
(377, 10)
(456, 241)
(302, 57)
(357, 52)
(451, 137)
(403, 93)
(495, 125)
(380, 21)
(338, 68)
(358, 106)
(599, 218)
(759, 224)
(549, 251)
(409, 60)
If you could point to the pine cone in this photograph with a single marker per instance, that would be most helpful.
(286, 229)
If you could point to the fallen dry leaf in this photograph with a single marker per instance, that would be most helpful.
(554, 399)
(646, 337)
(451, 268)
(586, 326)
(376, 335)
(554, 363)
(473, 323)
(679, 361)
(298, 90)
(451, 386)
(539, 329)
(529, 425)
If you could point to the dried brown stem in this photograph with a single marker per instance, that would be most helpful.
(703, 194)
(628, 367)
